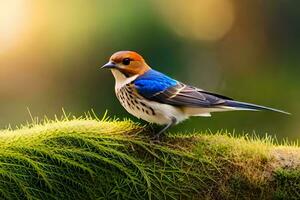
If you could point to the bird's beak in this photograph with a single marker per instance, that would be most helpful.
(109, 65)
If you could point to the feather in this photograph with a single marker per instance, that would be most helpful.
(237, 105)
(185, 95)
(158, 87)
(153, 82)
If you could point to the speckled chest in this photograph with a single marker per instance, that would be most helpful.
(133, 102)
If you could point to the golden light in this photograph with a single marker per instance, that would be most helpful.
(198, 19)
(12, 22)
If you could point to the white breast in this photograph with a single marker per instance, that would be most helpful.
(121, 79)
(164, 113)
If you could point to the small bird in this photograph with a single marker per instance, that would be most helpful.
(156, 98)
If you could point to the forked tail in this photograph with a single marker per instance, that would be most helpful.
(248, 106)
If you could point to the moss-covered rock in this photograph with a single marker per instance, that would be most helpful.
(100, 159)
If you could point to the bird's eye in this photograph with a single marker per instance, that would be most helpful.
(126, 61)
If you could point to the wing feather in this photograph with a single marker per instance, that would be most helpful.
(185, 95)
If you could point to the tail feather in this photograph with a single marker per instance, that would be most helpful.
(248, 106)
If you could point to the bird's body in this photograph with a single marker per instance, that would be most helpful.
(140, 107)
(157, 98)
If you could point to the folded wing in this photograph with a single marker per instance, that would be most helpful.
(185, 95)
(160, 88)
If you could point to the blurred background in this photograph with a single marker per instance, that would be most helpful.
(51, 51)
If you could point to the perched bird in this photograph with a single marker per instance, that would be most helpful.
(157, 98)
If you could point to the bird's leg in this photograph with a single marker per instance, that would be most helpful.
(173, 122)
(151, 127)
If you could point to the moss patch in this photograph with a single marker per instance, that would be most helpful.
(287, 184)
(99, 159)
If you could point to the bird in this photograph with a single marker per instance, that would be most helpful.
(157, 98)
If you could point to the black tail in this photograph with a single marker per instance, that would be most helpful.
(249, 106)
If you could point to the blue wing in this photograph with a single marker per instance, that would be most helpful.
(153, 82)
(158, 87)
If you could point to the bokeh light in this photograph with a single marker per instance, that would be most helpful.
(13, 17)
(207, 20)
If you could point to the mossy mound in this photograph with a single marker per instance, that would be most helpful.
(100, 159)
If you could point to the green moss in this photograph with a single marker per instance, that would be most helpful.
(287, 184)
(239, 184)
(89, 158)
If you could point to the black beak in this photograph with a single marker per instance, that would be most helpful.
(109, 65)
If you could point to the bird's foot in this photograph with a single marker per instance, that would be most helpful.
(158, 137)
(151, 128)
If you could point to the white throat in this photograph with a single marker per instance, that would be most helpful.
(121, 79)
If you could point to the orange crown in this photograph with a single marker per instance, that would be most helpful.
(137, 64)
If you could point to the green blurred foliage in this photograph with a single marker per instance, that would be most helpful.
(51, 52)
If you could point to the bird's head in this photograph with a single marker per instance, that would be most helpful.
(128, 63)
